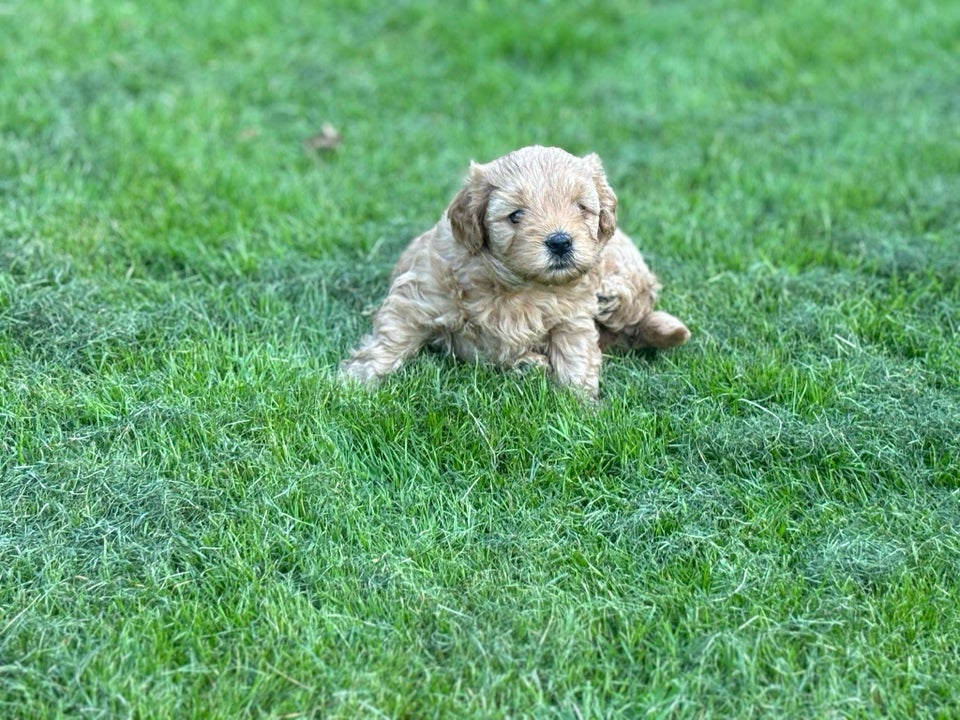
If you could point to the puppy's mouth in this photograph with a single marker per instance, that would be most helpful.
(562, 264)
(562, 269)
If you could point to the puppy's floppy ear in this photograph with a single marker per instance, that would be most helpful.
(468, 211)
(608, 199)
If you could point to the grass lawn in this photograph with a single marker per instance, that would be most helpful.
(197, 521)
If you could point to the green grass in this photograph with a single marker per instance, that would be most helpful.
(196, 520)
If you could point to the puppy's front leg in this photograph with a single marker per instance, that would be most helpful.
(574, 353)
(400, 329)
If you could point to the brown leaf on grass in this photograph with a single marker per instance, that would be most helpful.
(327, 139)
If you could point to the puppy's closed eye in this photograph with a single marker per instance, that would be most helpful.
(586, 210)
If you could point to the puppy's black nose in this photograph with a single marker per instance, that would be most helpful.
(559, 243)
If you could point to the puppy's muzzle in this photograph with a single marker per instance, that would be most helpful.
(559, 244)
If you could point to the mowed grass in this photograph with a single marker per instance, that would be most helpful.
(196, 520)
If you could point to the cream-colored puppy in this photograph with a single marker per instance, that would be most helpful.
(526, 266)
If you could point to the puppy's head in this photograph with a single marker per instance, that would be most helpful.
(541, 213)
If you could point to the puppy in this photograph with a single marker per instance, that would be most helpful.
(526, 266)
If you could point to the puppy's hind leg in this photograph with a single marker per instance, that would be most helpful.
(626, 315)
(398, 332)
(659, 330)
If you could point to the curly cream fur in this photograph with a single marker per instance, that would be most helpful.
(483, 283)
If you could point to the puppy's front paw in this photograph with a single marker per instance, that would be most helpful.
(532, 360)
(358, 371)
(589, 394)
